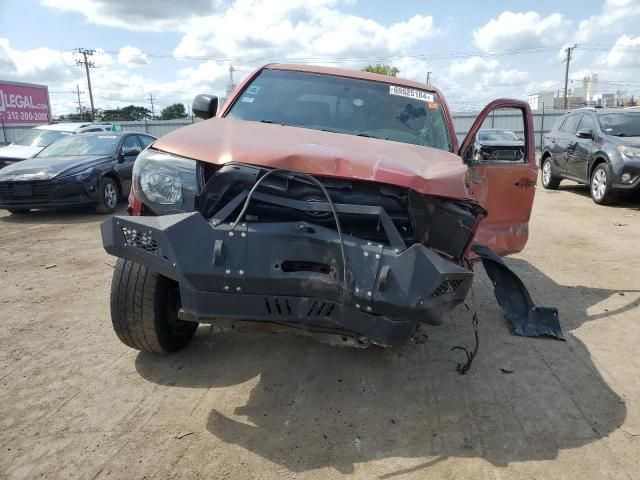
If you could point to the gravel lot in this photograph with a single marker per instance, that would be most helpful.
(75, 403)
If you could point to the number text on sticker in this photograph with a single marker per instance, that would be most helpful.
(410, 93)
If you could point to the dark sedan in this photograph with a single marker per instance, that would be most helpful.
(598, 147)
(498, 145)
(87, 169)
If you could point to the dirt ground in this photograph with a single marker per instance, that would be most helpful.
(75, 403)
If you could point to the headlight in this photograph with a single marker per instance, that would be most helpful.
(165, 183)
(629, 152)
(78, 177)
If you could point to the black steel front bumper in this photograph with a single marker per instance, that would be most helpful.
(291, 274)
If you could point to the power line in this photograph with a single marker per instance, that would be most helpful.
(348, 59)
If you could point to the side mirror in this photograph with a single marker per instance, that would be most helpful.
(129, 152)
(205, 106)
(584, 133)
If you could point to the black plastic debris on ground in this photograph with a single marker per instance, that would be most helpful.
(527, 319)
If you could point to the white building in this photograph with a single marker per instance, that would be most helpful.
(538, 101)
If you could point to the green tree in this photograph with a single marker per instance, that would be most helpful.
(176, 110)
(382, 69)
(130, 112)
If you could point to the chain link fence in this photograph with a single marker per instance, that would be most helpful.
(508, 120)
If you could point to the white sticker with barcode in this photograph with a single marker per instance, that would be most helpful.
(410, 93)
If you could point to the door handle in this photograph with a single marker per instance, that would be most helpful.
(553, 140)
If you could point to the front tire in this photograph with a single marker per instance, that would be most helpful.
(144, 310)
(108, 195)
(600, 185)
(549, 180)
(18, 211)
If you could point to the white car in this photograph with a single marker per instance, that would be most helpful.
(37, 138)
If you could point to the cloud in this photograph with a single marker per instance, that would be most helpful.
(625, 54)
(132, 56)
(136, 14)
(35, 65)
(258, 29)
(255, 30)
(512, 31)
(473, 65)
(615, 16)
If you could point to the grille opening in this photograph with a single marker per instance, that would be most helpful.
(268, 305)
(278, 306)
(446, 287)
(143, 241)
(302, 266)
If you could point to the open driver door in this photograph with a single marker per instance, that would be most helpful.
(502, 173)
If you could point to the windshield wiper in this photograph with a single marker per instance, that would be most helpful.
(626, 134)
(273, 122)
(362, 134)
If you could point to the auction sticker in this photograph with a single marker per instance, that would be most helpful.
(410, 93)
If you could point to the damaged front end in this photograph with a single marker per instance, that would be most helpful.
(363, 261)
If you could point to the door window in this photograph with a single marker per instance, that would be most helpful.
(131, 146)
(500, 139)
(586, 123)
(145, 140)
(571, 124)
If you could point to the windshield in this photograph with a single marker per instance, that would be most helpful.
(504, 136)
(344, 105)
(37, 137)
(82, 145)
(620, 124)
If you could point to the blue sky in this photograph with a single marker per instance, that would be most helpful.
(476, 50)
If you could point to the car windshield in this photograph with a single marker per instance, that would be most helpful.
(504, 136)
(620, 124)
(344, 105)
(82, 145)
(38, 137)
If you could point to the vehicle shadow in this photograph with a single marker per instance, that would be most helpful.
(315, 406)
(621, 200)
(61, 216)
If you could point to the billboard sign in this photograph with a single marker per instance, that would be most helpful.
(24, 103)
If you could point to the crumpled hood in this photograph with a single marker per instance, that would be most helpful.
(19, 151)
(48, 167)
(220, 140)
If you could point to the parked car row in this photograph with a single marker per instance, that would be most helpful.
(73, 169)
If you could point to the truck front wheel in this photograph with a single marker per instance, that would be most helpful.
(144, 309)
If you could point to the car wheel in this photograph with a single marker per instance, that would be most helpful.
(108, 196)
(549, 180)
(144, 309)
(601, 184)
(18, 211)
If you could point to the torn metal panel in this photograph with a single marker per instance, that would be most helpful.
(526, 318)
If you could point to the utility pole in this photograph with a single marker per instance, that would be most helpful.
(87, 65)
(78, 92)
(153, 114)
(428, 77)
(566, 73)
